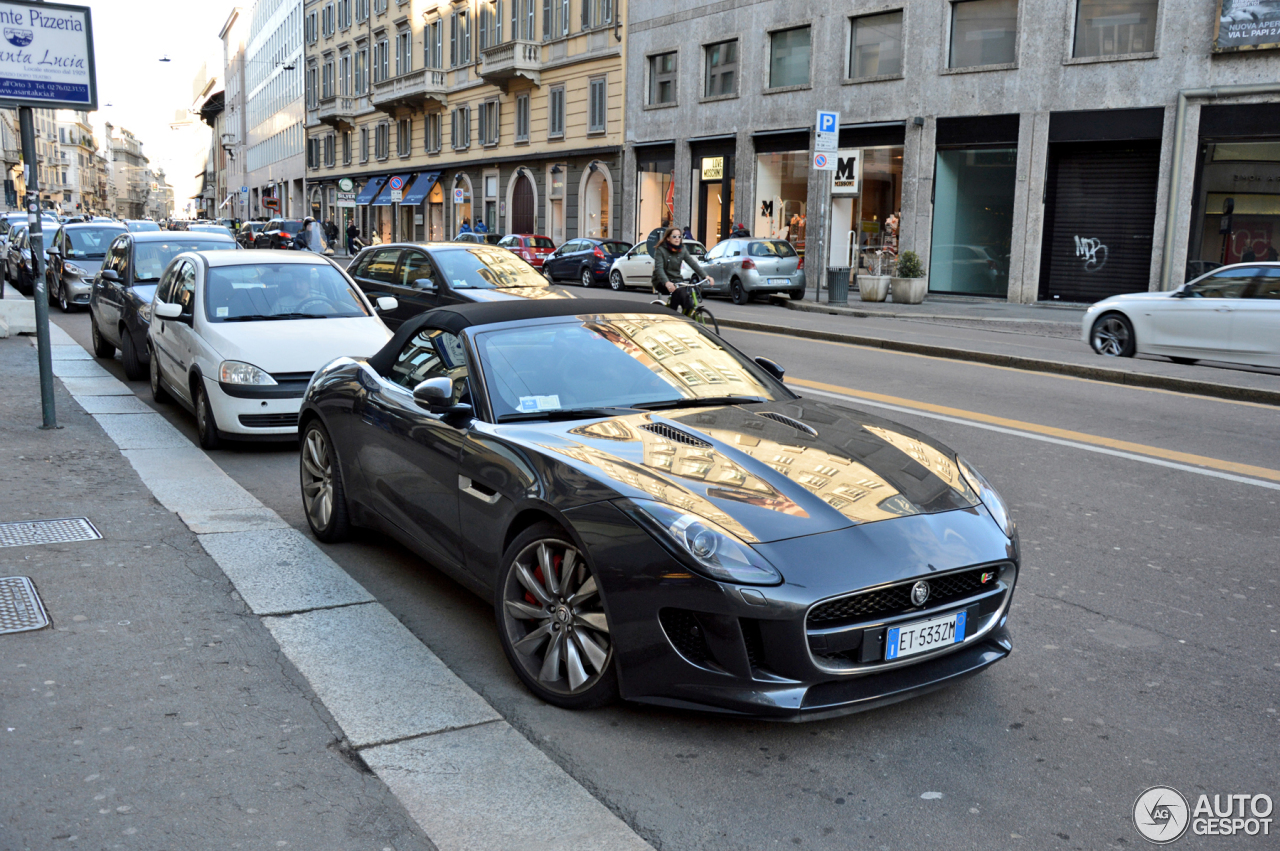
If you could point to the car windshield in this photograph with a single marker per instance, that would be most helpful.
(771, 248)
(599, 362)
(615, 247)
(291, 225)
(91, 243)
(275, 291)
(151, 258)
(218, 229)
(142, 227)
(486, 268)
(540, 242)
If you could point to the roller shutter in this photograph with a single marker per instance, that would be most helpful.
(1100, 210)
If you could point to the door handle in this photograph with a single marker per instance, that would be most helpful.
(478, 491)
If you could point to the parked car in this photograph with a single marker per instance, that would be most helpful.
(643, 532)
(531, 248)
(586, 261)
(635, 268)
(277, 233)
(248, 233)
(75, 255)
(1232, 315)
(422, 276)
(744, 268)
(120, 305)
(18, 270)
(235, 337)
(221, 230)
(479, 238)
(141, 225)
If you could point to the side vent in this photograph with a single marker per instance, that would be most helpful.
(675, 435)
(785, 420)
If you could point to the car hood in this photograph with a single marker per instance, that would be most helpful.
(90, 267)
(765, 472)
(297, 345)
(479, 295)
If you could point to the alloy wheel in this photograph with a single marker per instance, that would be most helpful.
(1111, 336)
(317, 479)
(588, 280)
(615, 281)
(554, 618)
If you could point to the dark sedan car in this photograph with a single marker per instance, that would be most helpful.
(422, 276)
(19, 270)
(75, 255)
(277, 233)
(654, 515)
(120, 304)
(586, 261)
(248, 234)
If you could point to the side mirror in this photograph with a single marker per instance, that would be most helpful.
(425, 284)
(387, 304)
(110, 275)
(771, 367)
(435, 394)
(165, 310)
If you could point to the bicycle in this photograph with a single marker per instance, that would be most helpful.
(697, 312)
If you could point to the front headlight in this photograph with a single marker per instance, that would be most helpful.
(992, 500)
(144, 310)
(74, 269)
(235, 372)
(707, 548)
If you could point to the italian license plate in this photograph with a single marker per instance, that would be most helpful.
(923, 636)
(779, 282)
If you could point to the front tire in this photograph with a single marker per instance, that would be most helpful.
(323, 497)
(703, 317)
(133, 369)
(615, 281)
(206, 423)
(551, 622)
(63, 304)
(1112, 336)
(737, 292)
(101, 348)
(157, 384)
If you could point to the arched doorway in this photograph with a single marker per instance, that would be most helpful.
(523, 206)
(595, 196)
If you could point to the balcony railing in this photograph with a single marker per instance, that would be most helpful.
(412, 89)
(338, 112)
(504, 62)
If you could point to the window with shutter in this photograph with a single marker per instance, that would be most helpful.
(597, 106)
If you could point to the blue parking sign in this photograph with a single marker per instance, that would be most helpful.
(828, 122)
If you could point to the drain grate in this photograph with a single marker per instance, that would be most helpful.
(20, 606)
(47, 532)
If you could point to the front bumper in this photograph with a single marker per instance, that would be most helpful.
(684, 640)
(77, 289)
(263, 415)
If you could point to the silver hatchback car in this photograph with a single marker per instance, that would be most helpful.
(742, 268)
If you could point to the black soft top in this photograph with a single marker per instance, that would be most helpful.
(457, 317)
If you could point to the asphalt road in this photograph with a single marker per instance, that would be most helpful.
(1146, 650)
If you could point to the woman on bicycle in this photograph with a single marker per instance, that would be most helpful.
(667, 276)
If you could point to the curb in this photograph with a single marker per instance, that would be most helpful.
(842, 310)
(1096, 373)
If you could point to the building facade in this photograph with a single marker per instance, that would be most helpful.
(274, 162)
(130, 174)
(77, 148)
(1025, 149)
(427, 117)
(234, 132)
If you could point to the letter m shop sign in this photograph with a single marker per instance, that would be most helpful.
(46, 56)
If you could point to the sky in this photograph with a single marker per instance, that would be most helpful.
(138, 91)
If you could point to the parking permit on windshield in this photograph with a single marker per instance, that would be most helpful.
(533, 404)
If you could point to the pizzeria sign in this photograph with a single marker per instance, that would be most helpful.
(46, 56)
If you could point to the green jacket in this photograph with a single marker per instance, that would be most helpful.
(666, 266)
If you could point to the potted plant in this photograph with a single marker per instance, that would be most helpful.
(910, 285)
(874, 286)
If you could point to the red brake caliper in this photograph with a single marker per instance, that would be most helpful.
(537, 574)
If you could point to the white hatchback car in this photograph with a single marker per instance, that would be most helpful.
(635, 268)
(235, 336)
(1232, 315)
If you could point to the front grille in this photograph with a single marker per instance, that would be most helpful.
(269, 420)
(291, 376)
(785, 420)
(896, 599)
(675, 435)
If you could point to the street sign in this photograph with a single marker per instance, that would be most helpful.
(824, 162)
(396, 183)
(346, 199)
(828, 136)
(397, 195)
(48, 58)
(459, 195)
(848, 172)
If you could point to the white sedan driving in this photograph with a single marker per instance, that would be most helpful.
(1231, 315)
(235, 337)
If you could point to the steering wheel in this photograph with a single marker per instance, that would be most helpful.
(323, 302)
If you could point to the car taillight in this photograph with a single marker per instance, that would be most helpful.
(748, 263)
(801, 266)
(598, 253)
(526, 254)
(286, 235)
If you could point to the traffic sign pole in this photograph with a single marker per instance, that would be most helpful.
(44, 353)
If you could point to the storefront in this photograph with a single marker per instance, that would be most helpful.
(461, 202)
(866, 197)
(782, 186)
(368, 218)
(1236, 212)
(655, 189)
(412, 204)
(1100, 203)
(974, 185)
(711, 210)
(388, 218)
(344, 205)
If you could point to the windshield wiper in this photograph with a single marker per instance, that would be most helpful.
(567, 414)
(260, 316)
(700, 403)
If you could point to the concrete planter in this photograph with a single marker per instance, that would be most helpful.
(910, 290)
(873, 287)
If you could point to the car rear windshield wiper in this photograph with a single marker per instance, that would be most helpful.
(700, 403)
(567, 414)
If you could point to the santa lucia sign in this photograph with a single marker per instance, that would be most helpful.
(46, 56)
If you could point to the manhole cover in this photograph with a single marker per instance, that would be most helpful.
(47, 532)
(20, 606)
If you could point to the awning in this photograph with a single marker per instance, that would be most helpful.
(226, 201)
(421, 187)
(370, 190)
(395, 183)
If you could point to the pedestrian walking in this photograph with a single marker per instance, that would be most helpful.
(688, 234)
(480, 226)
(353, 237)
(466, 226)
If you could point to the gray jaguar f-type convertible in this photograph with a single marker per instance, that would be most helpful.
(655, 515)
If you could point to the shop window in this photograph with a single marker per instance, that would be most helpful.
(598, 106)
(973, 221)
(866, 204)
(522, 118)
(875, 46)
(782, 190)
(662, 78)
(555, 113)
(789, 57)
(1114, 27)
(983, 32)
(655, 200)
(722, 69)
